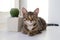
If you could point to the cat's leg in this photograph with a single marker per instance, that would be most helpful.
(25, 30)
(42, 23)
(34, 32)
(43, 28)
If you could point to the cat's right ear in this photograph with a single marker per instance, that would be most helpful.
(24, 11)
(36, 11)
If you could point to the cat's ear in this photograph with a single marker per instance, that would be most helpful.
(24, 11)
(36, 11)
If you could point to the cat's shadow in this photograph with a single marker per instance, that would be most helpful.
(40, 36)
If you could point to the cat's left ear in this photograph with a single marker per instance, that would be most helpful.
(24, 11)
(36, 11)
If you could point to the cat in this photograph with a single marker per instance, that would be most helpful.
(32, 24)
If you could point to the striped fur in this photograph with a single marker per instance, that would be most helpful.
(38, 26)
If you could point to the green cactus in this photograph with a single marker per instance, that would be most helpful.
(14, 12)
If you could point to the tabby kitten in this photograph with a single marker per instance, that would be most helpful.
(32, 24)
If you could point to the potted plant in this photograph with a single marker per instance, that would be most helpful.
(12, 22)
(14, 12)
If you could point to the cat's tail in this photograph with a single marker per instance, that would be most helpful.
(52, 24)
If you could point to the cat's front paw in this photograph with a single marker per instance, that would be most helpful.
(30, 34)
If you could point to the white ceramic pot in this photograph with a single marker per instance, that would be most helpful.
(12, 24)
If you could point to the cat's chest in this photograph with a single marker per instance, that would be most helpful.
(30, 27)
(29, 24)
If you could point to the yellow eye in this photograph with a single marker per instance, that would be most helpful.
(26, 18)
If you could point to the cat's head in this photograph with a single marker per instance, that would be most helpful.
(30, 16)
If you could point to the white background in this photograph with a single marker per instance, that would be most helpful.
(52, 32)
(41, 4)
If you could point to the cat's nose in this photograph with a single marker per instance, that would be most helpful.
(31, 21)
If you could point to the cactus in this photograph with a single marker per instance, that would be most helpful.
(14, 12)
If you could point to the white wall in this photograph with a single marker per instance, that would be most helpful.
(41, 4)
(3, 20)
(6, 5)
(54, 11)
(22, 3)
(4, 16)
(16, 4)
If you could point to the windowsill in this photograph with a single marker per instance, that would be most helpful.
(4, 12)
